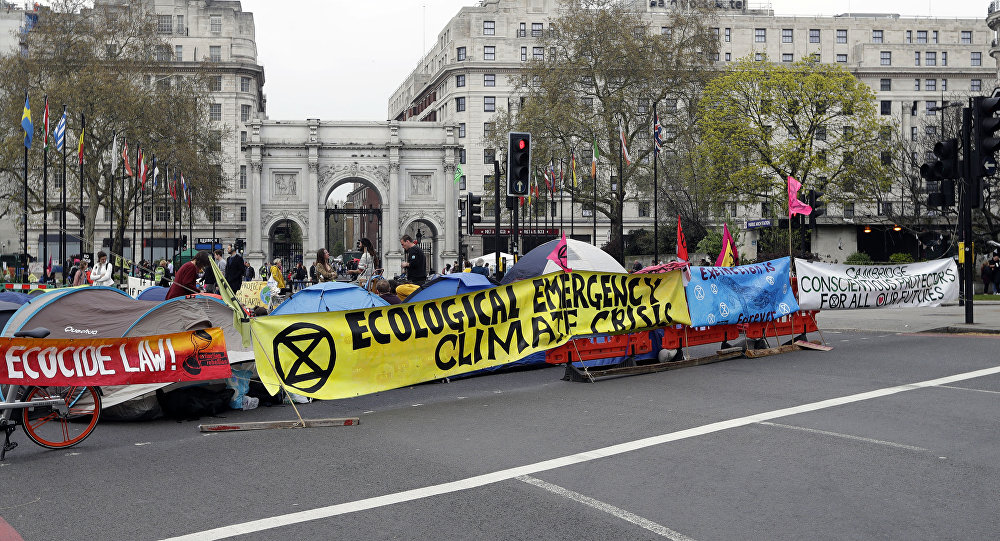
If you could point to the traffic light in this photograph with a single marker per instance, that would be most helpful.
(943, 173)
(474, 216)
(818, 206)
(946, 165)
(518, 163)
(985, 126)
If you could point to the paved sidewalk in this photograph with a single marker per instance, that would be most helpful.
(986, 317)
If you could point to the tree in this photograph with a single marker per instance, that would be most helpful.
(601, 67)
(762, 122)
(108, 63)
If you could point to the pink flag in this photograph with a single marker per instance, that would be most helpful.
(794, 205)
(559, 256)
(728, 256)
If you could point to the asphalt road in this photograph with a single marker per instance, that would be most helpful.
(803, 445)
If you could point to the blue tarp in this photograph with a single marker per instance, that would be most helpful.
(450, 284)
(11, 296)
(329, 297)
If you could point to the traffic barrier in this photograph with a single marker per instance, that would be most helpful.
(24, 287)
(797, 323)
(586, 349)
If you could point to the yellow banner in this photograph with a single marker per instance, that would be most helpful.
(253, 294)
(354, 352)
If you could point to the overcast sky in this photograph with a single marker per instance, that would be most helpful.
(341, 59)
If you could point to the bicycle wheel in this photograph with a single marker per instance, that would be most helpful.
(47, 427)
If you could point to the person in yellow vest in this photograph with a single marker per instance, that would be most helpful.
(279, 277)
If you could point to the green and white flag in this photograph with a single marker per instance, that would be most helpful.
(458, 173)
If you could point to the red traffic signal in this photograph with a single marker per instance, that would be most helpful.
(521, 144)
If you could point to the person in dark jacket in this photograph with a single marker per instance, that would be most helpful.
(385, 290)
(235, 267)
(186, 280)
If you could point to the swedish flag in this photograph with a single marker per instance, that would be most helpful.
(29, 128)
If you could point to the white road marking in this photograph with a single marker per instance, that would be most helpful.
(846, 436)
(560, 462)
(968, 389)
(647, 524)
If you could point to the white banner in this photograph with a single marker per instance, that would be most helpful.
(825, 286)
(137, 285)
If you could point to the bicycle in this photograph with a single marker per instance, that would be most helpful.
(54, 417)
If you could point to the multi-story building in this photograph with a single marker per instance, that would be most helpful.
(915, 66)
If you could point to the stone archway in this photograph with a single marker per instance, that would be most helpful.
(427, 235)
(285, 241)
(358, 215)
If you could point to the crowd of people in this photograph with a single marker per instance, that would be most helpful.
(990, 273)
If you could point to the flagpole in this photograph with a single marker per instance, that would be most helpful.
(572, 195)
(25, 224)
(135, 215)
(191, 220)
(656, 193)
(45, 195)
(562, 185)
(64, 257)
(142, 214)
(121, 268)
(594, 210)
(83, 216)
(621, 161)
(111, 225)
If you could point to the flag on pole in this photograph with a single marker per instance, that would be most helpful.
(128, 166)
(45, 122)
(83, 130)
(559, 256)
(114, 153)
(572, 166)
(657, 130)
(458, 173)
(60, 132)
(728, 256)
(173, 187)
(625, 154)
(142, 170)
(593, 161)
(682, 247)
(794, 205)
(26, 125)
(156, 171)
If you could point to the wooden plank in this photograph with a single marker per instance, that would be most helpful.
(662, 367)
(812, 345)
(764, 352)
(264, 425)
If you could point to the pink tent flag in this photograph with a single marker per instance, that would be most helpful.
(558, 254)
(794, 205)
(728, 256)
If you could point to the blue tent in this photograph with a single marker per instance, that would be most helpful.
(153, 293)
(11, 296)
(451, 284)
(329, 297)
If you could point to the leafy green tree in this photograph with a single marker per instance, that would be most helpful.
(107, 63)
(603, 67)
(762, 122)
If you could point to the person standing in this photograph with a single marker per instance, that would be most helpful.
(80, 277)
(995, 273)
(299, 277)
(249, 272)
(324, 271)
(279, 277)
(103, 271)
(366, 263)
(186, 279)
(235, 267)
(413, 261)
(986, 273)
(479, 268)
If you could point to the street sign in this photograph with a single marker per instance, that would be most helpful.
(758, 224)
(989, 166)
(523, 231)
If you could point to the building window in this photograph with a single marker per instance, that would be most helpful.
(977, 59)
(459, 104)
(758, 57)
(876, 36)
(524, 54)
(786, 35)
(243, 214)
(244, 113)
(930, 59)
(244, 84)
(164, 23)
(489, 28)
(916, 84)
(489, 104)
(180, 25)
(489, 155)
(930, 85)
(931, 107)
(215, 23)
(885, 84)
(521, 31)
(967, 36)
(587, 211)
(489, 52)
(916, 58)
(215, 112)
(909, 36)
(930, 131)
(215, 83)
(536, 30)
(885, 208)
(760, 35)
(786, 57)
(849, 210)
(461, 156)
(885, 58)
(178, 53)
(215, 213)
(538, 53)
(488, 128)
(243, 177)
(729, 35)
(842, 36)
(715, 57)
(934, 38)
(886, 107)
(944, 85)
(814, 35)
(913, 133)
(976, 85)
(944, 58)
(729, 57)
(460, 54)
(460, 80)
(921, 36)
(489, 79)
(215, 53)
(644, 209)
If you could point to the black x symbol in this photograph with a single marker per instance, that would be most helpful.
(303, 367)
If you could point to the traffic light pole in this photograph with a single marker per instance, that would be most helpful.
(969, 173)
(496, 214)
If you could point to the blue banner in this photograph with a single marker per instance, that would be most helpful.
(744, 294)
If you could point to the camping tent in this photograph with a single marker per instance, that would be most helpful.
(7, 310)
(450, 284)
(329, 297)
(579, 255)
(491, 258)
(79, 312)
(14, 297)
(153, 293)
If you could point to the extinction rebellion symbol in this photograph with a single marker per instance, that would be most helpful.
(304, 355)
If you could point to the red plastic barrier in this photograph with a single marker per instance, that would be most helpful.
(585, 349)
(24, 287)
(796, 323)
(676, 336)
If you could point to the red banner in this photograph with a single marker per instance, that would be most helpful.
(168, 358)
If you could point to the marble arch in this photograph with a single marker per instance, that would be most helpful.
(295, 165)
